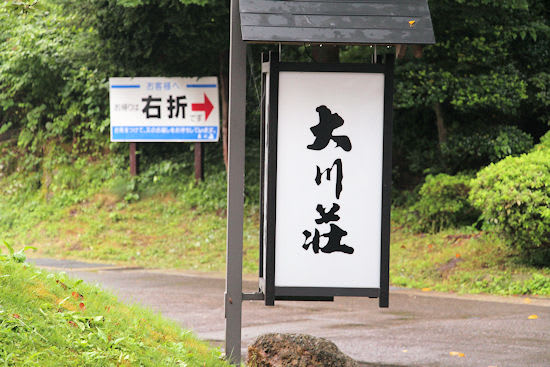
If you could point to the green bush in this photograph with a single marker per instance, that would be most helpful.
(514, 197)
(544, 142)
(51, 90)
(443, 203)
(208, 194)
(474, 150)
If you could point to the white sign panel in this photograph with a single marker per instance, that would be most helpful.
(329, 179)
(164, 109)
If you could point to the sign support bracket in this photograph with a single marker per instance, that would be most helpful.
(256, 296)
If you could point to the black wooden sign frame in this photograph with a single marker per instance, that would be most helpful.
(268, 180)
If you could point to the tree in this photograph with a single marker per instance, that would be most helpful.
(162, 38)
(487, 71)
(50, 87)
(477, 71)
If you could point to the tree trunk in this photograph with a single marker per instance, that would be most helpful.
(440, 122)
(224, 86)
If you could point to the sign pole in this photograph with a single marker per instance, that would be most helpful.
(235, 188)
(133, 160)
(199, 162)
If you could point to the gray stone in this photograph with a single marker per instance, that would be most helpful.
(296, 350)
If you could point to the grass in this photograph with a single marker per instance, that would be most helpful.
(462, 261)
(159, 231)
(95, 212)
(176, 224)
(52, 320)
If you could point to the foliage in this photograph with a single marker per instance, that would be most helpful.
(488, 68)
(161, 38)
(415, 148)
(514, 197)
(544, 142)
(502, 89)
(17, 256)
(52, 320)
(532, 53)
(443, 203)
(50, 86)
(29, 197)
(475, 66)
(208, 194)
(56, 56)
(471, 150)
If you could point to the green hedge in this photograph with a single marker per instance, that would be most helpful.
(475, 149)
(514, 196)
(443, 203)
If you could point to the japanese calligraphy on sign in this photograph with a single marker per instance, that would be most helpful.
(164, 109)
(329, 179)
(323, 134)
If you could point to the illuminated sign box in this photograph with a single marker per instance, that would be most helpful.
(326, 177)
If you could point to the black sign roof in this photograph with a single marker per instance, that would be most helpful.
(337, 21)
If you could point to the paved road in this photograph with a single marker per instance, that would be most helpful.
(419, 328)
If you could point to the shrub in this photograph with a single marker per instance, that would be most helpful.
(443, 203)
(208, 194)
(514, 197)
(544, 142)
(479, 148)
(50, 87)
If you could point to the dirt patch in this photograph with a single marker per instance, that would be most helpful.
(76, 246)
(455, 237)
(105, 200)
(449, 266)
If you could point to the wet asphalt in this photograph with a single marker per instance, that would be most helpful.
(419, 328)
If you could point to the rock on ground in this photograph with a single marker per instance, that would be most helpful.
(296, 350)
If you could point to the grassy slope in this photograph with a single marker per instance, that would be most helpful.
(185, 230)
(51, 320)
(463, 261)
(162, 231)
(159, 231)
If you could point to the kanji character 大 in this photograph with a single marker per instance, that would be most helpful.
(328, 122)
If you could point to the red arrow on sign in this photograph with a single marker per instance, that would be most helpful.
(206, 107)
